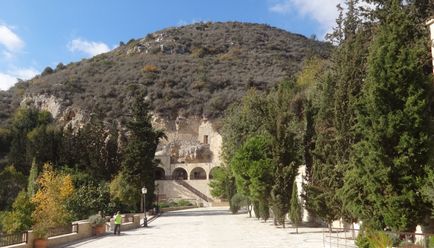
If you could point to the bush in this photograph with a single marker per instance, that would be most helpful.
(96, 220)
(20, 218)
(150, 68)
(172, 204)
(184, 203)
(374, 239)
(47, 70)
(238, 201)
(198, 52)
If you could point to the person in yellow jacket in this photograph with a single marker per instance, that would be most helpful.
(118, 222)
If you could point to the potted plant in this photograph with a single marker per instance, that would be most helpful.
(98, 223)
(40, 232)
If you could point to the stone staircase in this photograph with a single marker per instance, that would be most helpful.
(194, 191)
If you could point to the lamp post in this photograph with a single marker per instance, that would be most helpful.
(145, 220)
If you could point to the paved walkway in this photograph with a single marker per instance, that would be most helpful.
(208, 227)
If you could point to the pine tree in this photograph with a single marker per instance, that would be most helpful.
(389, 160)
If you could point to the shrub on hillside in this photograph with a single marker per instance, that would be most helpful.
(150, 68)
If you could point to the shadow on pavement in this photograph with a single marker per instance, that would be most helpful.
(196, 213)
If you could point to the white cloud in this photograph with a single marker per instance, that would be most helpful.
(9, 39)
(9, 78)
(322, 11)
(6, 81)
(91, 48)
(281, 8)
(10, 42)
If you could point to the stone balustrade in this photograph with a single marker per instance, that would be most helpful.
(84, 231)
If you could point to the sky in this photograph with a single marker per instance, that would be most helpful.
(35, 34)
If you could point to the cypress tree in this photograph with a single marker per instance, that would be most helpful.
(393, 122)
(138, 165)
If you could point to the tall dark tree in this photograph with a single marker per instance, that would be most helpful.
(321, 198)
(284, 125)
(138, 164)
(390, 159)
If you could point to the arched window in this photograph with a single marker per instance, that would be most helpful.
(179, 174)
(160, 174)
(197, 173)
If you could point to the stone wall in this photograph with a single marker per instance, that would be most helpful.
(84, 231)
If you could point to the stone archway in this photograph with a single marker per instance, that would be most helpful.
(198, 173)
(179, 174)
(159, 173)
(213, 171)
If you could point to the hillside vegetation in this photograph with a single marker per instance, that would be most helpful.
(197, 69)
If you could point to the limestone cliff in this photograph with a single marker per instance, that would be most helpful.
(189, 140)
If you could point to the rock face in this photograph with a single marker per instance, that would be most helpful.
(190, 140)
(65, 115)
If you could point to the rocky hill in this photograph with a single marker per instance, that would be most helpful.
(194, 70)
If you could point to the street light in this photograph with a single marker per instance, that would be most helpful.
(145, 220)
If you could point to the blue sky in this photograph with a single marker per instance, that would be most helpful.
(36, 34)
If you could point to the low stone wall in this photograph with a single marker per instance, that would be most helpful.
(84, 231)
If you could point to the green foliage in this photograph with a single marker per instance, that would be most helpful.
(20, 217)
(12, 182)
(172, 204)
(138, 163)
(31, 181)
(241, 121)
(5, 140)
(93, 149)
(43, 142)
(256, 209)
(250, 164)
(295, 212)
(264, 210)
(253, 162)
(33, 137)
(394, 125)
(90, 198)
(334, 105)
(219, 183)
(262, 143)
(374, 239)
(285, 126)
(123, 191)
(279, 192)
(238, 201)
